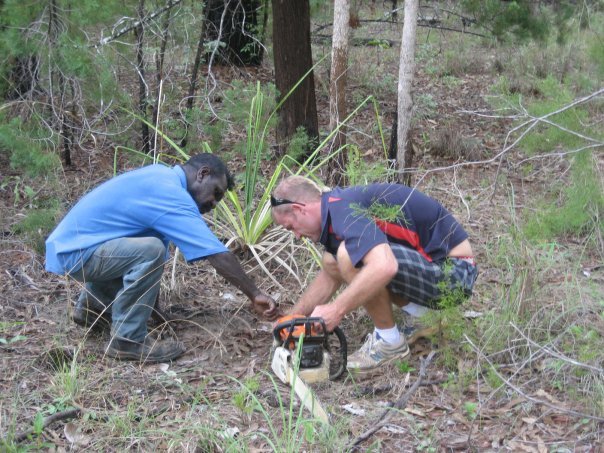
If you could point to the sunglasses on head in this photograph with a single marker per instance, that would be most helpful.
(280, 201)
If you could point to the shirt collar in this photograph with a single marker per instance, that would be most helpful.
(181, 174)
(324, 217)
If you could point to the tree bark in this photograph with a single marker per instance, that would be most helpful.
(337, 87)
(160, 59)
(405, 83)
(235, 23)
(293, 59)
(142, 84)
(60, 105)
(193, 80)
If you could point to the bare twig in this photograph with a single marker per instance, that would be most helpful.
(385, 416)
(524, 395)
(557, 354)
(138, 23)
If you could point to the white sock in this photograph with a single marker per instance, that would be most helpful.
(390, 336)
(415, 310)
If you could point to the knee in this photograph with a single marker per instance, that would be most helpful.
(345, 266)
(330, 265)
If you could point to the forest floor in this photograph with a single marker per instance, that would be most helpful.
(197, 402)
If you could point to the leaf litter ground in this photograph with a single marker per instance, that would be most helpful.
(163, 406)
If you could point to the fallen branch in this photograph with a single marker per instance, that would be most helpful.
(64, 415)
(385, 416)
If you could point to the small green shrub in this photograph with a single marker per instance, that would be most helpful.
(36, 225)
(359, 171)
(581, 208)
(26, 153)
(299, 145)
(425, 106)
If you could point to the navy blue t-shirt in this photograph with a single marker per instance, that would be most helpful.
(366, 216)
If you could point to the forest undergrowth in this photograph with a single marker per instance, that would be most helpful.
(509, 138)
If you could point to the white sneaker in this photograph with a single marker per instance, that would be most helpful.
(375, 353)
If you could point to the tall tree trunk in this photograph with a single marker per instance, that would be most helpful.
(193, 79)
(293, 59)
(160, 58)
(235, 23)
(142, 84)
(59, 105)
(405, 83)
(337, 86)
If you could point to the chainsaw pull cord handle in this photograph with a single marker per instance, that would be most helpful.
(343, 352)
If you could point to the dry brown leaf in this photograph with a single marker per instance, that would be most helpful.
(542, 393)
(520, 446)
(414, 411)
(456, 442)
(541, 445)
(74, 436)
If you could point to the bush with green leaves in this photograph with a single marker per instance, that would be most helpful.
(505, 20)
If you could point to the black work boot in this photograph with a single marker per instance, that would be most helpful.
(149, 351)
(89, 312)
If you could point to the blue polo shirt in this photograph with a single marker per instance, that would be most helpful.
(366, 216)
(150, 201)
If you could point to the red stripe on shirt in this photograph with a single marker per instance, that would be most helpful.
(404, 234)
(332, 199)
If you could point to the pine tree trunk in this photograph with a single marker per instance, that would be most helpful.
(142, 85)
(160, 59)
(337, 87)
(59, 103)
(235, 23)
(193, 79)
(293, 59)
(405, 83)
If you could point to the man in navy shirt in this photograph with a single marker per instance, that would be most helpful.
(388, 243)
(115, 241)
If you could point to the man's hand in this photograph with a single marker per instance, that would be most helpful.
(330, 314)
(265, 306)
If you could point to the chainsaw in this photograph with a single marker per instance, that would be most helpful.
(302, 356)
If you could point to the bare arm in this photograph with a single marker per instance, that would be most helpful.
(379, 267)
(322, 288)
(229, 267)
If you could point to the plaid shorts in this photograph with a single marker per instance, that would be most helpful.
(425, 283)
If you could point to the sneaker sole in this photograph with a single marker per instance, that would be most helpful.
(368, 372)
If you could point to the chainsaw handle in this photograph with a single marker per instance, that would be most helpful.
(344, 353)
(291, 323)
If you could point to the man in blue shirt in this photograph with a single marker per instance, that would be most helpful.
(115, 241)
(388, 243)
